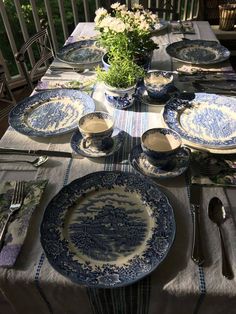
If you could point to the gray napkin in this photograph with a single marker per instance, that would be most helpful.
(17, 228)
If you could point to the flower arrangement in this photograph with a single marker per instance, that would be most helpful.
(126, 32)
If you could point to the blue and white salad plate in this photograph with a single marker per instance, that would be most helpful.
(198, 51)
(175, 166)
(117, 139)
(108, 229)
(83, 54)
(50, 113)
(208, 121)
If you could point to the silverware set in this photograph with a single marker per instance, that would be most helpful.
(217, 215)
(16, 203)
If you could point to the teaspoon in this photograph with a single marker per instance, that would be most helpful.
(218, 215)
(36, 162)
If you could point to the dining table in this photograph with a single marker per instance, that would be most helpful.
(178, 284)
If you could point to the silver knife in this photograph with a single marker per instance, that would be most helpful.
(65, 69)
(15, 151)
(195, 198)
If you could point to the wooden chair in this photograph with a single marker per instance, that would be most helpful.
(34, 55)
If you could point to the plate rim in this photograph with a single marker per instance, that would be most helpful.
(182, 132)
(28, 101)
(171, 237)
(187, 42)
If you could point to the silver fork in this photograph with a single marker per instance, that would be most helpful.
(16, 203)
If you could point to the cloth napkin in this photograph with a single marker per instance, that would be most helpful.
(224, 176)
(18, 225)
(182, 28)
(84, 82)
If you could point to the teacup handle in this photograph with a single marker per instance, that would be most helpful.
(85, 143)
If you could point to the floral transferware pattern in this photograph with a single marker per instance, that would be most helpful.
(108, 229)
(208, 120)
(50, 113)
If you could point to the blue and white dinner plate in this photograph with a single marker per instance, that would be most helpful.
(82, 54)
(50, 113)
(108, 229)
(175, 167)
(208, 121)
(198, 51)
(117, 139)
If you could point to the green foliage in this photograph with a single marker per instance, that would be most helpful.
(122, 73)
(28, 17)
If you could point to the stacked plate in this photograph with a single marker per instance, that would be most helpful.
(208, 122)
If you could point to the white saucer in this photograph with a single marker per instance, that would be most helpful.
(140, 163)
(77, 139)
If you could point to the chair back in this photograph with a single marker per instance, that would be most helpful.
(34, 56)
(169, 9)
(7, 100)
(6, 94)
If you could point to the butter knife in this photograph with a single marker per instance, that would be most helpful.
(197, 252)
(14, 151)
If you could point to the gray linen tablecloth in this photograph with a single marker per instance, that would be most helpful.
(177, 285)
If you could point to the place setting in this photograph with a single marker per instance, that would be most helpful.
(160, 155)
(206, 124)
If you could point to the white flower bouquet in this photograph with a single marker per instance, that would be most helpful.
(126, 32)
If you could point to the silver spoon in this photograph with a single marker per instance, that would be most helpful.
(218, 215)
(36, 162)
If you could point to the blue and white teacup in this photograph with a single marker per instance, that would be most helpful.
(96, 129)
(158, 84)
(160, 145)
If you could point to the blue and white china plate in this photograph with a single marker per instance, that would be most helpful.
(81, 54)
(209, 120)
(178, 166)
(198, 51)
(51, 112)
(77, 140)
(108, 229)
